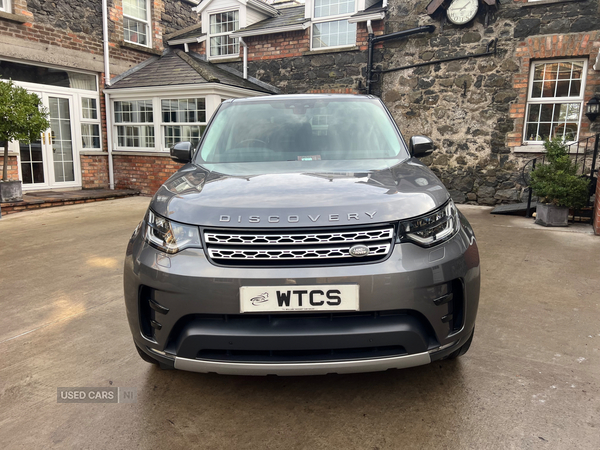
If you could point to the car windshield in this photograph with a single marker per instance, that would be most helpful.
(301, 129)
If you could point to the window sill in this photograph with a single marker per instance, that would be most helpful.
(538, 148)
(226, 59)
(19, 18)
(331, 50)
(547, 2)
(141, 153)
(97, 152)
(141, 48)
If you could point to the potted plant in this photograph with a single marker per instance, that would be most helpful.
(22, 118)
(558, 186)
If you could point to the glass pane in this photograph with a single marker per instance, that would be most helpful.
(538, 73)
(548, 88)
(562, 88)
(575, 90)
(536, 91)
(532, 132)
(534, 113)
(133, 111)
(135, 32)
(38, 172)
(546, 112)
(63, 106)
(325, 8)
(564, 71)
(65, 130)
(574, 111)
(331, 34)
(544, 131)
(44, 75)
(571, 131)
(578, 70)
(135, 8)
(27, 173)
(88, 108)
(90, 135)
(53, 104)
(59, 174)
(69, 173)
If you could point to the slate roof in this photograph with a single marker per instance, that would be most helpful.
(178, 67)
(288, 16)
(190, 34)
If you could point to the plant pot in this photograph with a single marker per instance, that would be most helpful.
(11, 191)
(552, 216)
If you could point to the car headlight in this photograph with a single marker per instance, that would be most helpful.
(169, 236)
(433, 228)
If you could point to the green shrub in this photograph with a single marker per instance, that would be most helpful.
(22, 117)
(557, 181)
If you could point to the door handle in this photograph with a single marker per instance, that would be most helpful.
(44, 138)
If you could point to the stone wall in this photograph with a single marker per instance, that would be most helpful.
(178, 15)
(474, 109)
(285, 60)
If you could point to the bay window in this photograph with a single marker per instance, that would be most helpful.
(555, 100)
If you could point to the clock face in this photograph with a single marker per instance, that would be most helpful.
(462, 11)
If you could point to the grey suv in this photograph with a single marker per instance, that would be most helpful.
(302, 236)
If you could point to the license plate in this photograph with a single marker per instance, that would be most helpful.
(329, 297)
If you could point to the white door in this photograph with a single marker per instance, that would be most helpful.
(50, 162)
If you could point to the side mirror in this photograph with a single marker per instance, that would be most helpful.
(182, 152)
(420, 146)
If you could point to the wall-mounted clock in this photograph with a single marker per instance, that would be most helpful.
(462, 11)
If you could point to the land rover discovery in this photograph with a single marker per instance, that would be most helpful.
(302, 236)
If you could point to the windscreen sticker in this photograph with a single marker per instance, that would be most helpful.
(310, 158)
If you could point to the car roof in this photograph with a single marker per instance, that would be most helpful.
(267, 98)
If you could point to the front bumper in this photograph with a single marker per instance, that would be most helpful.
(401, 323)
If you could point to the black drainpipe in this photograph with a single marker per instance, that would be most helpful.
(388, 37)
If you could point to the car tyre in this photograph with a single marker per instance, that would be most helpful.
(463, 349)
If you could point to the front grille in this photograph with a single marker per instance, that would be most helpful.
(306, 247)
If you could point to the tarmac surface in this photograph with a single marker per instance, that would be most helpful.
(530, 380)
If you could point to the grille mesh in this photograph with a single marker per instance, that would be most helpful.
(317, 247)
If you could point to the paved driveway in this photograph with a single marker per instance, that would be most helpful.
(530, 380)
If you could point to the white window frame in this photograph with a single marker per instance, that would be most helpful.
(6, 6)
(116, 124)
(163, 125)
(554, 100)
(90, 121)
(334, 18)
(147, 23)
(209, 35)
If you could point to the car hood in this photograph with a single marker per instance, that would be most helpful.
(323, 194)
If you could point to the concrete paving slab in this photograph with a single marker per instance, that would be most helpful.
(530, 380)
